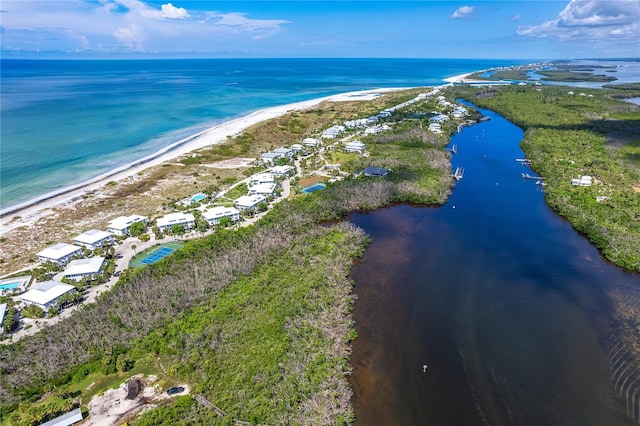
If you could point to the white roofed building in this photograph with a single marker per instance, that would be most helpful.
(263, 188)
(312, 142)
(84, 268)
(282, 171)
(296, 147)
(122, 225)
(270, 157)
(166, 222)
(60, 253)
(333, 132)
(284, 152)
(44, 294)
(355, 146)
(214, 214)
(249, 202)
(94, 238)
(261, 178)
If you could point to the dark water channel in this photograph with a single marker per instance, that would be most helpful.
(503, 301)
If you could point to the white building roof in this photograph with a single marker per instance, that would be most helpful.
(270, 155)
(285, 151)
(263, 178)
(91, 237)
(175, 219)
(88, 266)
(310, 141)
(58, 251)
(219, 212)
(124, 222)
(3, 309)
(280, 170)
(249, 201)
(44, 293)
(263, 188)
(355, 145)
(68, 419)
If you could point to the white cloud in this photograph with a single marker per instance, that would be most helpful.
(125, 25)
(463, 12)
(170, 11)
(603, 21)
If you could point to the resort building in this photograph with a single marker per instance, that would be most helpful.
(169, 221)
(44, 294)
(214, 215)
(311, 142)
(84, 268)
(122, 225)
(261, 178)
(296, 147)
(270, 157)
(93, 239)
(282, 171)
(373, 171)
(582, 181)
(60, 253)
(263, 189)
(333, 132)
(435, 127)
(374, 130)
(249, 202)
(440, 118)
(355, 146)
(284, 152)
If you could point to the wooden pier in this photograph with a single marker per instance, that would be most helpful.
(458, 173)
(453, 149)
(523, 161)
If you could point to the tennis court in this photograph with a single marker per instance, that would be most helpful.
(155, 254)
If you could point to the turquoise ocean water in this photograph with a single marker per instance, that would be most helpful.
(66, 121)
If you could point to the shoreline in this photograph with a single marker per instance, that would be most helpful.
(25, 212)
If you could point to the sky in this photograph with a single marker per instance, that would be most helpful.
(549, 29)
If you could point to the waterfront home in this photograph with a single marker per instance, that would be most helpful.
(582, 181)
(93, 239)
(440, 118)
(249, 202)
(263, 189)
(373, 171)
(84, 268)
(284, 152)
(214, 214)
(355, 146)
(282, 171)
(261, 178)
(333, 132)
(60, 253)
(44, 294)
(122, 225)
(435, 127)
(312, 142)
(166, 222)
(458, 113)
(270, 157)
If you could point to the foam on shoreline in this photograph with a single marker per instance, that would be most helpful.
(28, 211)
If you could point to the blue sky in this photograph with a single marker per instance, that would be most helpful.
(550, 29)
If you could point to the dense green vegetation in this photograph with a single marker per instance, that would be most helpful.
(255, 319)
(572, 76)
(571, 135)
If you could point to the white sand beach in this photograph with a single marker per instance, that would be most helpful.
(32, 210)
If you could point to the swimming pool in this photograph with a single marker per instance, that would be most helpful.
(9, 286)
(313, 188)
(197, 198)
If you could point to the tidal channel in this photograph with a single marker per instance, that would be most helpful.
(507, 306)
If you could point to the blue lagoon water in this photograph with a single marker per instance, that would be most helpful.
(65, 121)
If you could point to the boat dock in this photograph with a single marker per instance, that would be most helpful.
(453, 149)
(458, 173)
(523, 161)
(528, 176)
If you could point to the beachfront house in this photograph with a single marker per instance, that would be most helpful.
(263, 189)
(60, 253)
(270, 157)
(284, 152)
(166, 222)
(84, 268)
(333, 132)
(282, 171)
(214, 214)
(249, 202)
(355, 146)
(582, 181)
(260, 178)
(311, 142)
(93, 239)
(121, 225)
(44, 294)
(373, 171)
